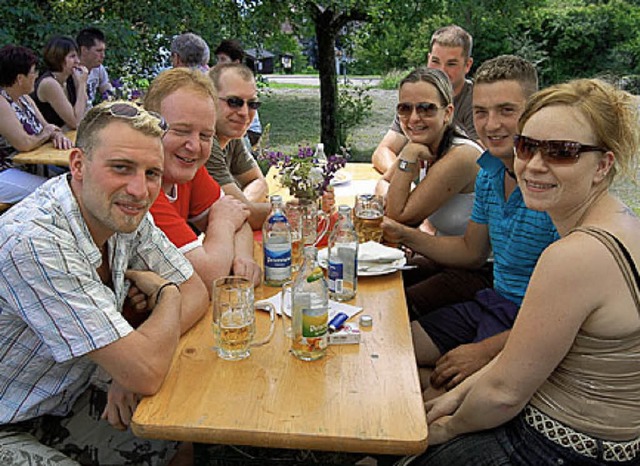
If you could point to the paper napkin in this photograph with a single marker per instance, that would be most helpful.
(334, 306)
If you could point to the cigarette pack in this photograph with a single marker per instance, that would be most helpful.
(348, 334)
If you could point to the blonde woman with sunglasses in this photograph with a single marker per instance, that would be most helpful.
(566, 387)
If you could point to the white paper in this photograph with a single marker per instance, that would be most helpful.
(334, 306)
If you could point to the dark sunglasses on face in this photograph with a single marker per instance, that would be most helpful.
(237, 102)
(122, 110)
(423, 109)
(554, 152)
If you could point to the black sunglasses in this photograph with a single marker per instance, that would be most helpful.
(554, 152)
(237, 102)
(123, 110)
(423, 109)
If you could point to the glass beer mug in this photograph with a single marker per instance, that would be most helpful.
(234, 323)
(367, 214)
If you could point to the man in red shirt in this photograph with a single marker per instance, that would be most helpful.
(190, 199)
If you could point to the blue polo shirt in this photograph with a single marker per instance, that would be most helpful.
(518, 235)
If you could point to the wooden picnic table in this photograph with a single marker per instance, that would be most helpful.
(46, 154)
(358, 398)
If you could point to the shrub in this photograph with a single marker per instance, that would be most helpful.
(391, 81)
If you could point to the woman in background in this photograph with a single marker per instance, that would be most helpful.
(61, 91)
(22, 126)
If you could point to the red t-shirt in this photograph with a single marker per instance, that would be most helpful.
(193, 200)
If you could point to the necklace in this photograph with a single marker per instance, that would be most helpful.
(510, 173)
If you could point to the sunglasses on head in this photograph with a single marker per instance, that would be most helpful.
(423, 109)
(123, 110)
(237, 102)
(555, 152)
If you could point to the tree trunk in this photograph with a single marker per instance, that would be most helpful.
(326, 36)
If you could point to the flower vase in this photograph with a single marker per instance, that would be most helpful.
(314, 223)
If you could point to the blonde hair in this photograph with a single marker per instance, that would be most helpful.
(611, 112)
(171, 80)
(104, 114)
(242, 71)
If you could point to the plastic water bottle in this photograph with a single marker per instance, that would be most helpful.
(276, 243)
(343, 257)
(310, 310)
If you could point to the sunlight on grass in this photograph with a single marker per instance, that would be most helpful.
(294, 121)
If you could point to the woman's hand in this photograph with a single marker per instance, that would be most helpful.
(80, 76)
(393, 231)
(442, 406)
(60, 141)
(414, 151)
(439, 431)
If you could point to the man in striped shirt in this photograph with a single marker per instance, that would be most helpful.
(458, 340)
(72, 255)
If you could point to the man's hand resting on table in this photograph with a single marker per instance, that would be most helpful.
(458, 364)
(248, 268)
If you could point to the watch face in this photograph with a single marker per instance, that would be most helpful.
(404, 166)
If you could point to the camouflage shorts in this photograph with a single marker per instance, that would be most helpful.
(80, 438)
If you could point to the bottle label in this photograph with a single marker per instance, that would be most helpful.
(336, 275)
(277, 262)
(315, 322)
(277, 218)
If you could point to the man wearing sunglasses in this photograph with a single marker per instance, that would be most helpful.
(72, 255)
(460, 339)
(231, 164)
(191, 201)
(450, 52)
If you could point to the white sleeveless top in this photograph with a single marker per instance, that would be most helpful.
(452, 217)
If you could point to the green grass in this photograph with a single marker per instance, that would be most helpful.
(275, 85)
(294, 119)
(294, 115)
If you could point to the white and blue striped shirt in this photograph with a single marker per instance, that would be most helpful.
(54, 309)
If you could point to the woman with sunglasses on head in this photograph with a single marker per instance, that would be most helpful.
(566, 387)
(61, 91)
(22, 126)
(443, 158)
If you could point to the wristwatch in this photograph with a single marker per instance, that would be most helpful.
(405, 165)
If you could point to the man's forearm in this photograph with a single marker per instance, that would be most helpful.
(451, 251)
(257, 190)
(383, 158)
(244, 242)
(195, 302)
